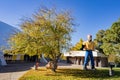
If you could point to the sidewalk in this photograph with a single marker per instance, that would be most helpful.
(11, 75)
(71, 66)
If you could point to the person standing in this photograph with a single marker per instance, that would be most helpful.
(89, 46)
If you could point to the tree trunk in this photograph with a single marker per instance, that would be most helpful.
(52, 65)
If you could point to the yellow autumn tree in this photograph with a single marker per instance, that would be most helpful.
(78, 45)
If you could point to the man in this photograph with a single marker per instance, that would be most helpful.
(89, 47)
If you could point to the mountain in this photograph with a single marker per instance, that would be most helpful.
(6, 31)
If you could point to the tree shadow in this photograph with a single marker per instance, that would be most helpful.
(16, 67)
(94, 74)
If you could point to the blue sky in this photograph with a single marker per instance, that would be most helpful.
(91, 15)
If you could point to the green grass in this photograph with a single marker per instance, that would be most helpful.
(71, 74)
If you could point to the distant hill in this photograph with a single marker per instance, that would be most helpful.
(6, 31)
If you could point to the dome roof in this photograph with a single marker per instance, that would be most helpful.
(6, 31)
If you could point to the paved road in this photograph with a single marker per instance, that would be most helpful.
(14, 71)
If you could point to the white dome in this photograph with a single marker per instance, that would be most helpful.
(6, 31)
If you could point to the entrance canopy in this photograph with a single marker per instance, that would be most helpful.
(82, 54)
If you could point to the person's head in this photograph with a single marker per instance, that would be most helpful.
(89, 37)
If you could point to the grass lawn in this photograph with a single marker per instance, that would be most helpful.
(71, 74)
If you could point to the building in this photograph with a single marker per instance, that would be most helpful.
(2, 60)
(6, 31)
(77, 57)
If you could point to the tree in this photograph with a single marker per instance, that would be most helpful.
(99, 40)
(78, 45)
(99, 36)
(48, 32)
(110, 40)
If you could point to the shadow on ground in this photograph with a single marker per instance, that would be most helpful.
(15, 67)
(97, 74)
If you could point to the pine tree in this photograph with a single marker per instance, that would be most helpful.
(110, 40)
